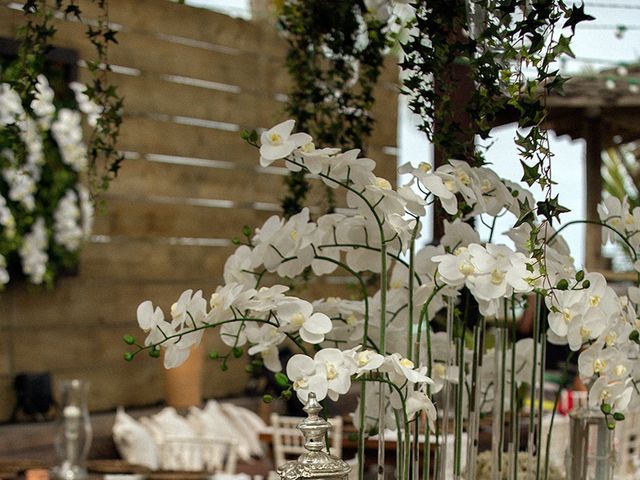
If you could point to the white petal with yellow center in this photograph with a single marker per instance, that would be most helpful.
(332, 371)
(620, 370)
(406, 363)
(599, 365)
(466, 268)
(298, 319)
(275, 138)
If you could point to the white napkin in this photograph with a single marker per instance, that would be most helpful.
(245, 424)
(178, 441)
(215, 421)
(134, 442)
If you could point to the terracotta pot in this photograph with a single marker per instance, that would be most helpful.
(183, 385)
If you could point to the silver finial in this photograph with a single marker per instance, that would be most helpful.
(315, 463)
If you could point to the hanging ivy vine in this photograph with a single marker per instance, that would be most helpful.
(334, 60)
(497, 41)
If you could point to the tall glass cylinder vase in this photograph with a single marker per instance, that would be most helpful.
(591, 454)
(73, 431)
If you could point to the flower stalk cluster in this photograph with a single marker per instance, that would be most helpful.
(45, 210)
(391, 337)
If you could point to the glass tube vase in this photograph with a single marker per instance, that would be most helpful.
(73, 431)
(591, 454)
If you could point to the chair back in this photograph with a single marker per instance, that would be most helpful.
(288, 442)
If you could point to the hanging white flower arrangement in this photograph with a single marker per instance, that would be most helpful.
(46, 212)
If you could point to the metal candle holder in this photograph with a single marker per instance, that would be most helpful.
(315, 463)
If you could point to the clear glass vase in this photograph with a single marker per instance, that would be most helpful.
(591, 453)
(73, 431)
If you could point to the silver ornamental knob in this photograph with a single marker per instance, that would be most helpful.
(315, 462)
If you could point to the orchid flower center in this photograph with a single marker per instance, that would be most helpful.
(628, 219)
(599, 365)
(363, 358)
(308, 147)
(406, 363)
(425, 167)
(497, 276)
(466, 268)
(383, 183)
(297, 319)
(439, 369)
(300, 383)
(620, 370)
(275, 138)
(216, 301)
(610, 339)
(566, 315)
(594, 300)
(332, 371)
(585, 332)
(293, 234)
(351, 320)
(463, 177)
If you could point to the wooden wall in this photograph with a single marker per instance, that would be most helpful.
(192, 80)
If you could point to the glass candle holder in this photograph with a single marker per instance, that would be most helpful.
(73, 431)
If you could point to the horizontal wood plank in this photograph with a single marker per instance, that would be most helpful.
(73, 302)
(153, 54)
(145, 135)
(131, 260)
(151, 94)
(194, 23)
(144, 177)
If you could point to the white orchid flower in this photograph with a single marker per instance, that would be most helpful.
(297, 315)
(303, 371)
(278, 142)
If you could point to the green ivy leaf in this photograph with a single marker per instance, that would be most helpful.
(576, 16)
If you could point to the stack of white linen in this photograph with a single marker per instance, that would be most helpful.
(207, 439)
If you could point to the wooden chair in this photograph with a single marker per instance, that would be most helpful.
(288, 442)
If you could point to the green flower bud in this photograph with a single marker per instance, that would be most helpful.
(286, 394)
(281, 379)
(237, 352)
(128, 356)
(213, 355)
(267, 398)
(562, 284)
(611, 425)
(605, 408)
(634, 336)
(246, 231)
(129, 339)
(154, 352)
(586, 284)
(224, 367)
(618, 417)
(580, 275)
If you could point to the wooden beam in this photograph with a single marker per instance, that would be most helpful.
(593, 238)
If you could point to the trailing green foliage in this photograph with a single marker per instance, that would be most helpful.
(334, 59)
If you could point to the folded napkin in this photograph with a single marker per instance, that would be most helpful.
(134, 442)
